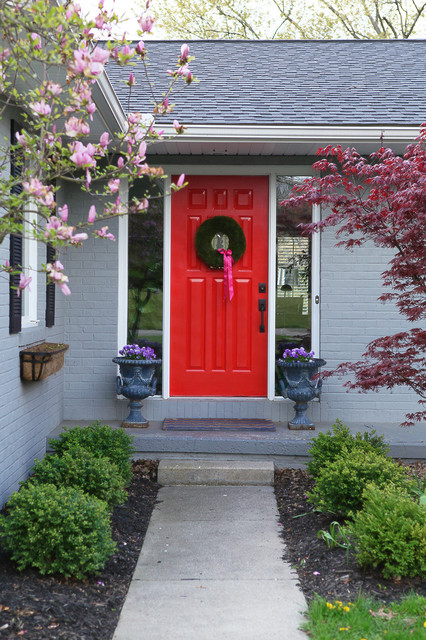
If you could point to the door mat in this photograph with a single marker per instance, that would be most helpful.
(217, 424)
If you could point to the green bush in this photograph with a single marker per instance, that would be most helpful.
(339, 486)
(389, 533)
(102, 441)
(80, 469)
(57, 530)
(326, 447)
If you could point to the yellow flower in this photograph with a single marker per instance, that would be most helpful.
(338, 602)
(330, 606)
(424, 624)
(346, 609)
(344, 628)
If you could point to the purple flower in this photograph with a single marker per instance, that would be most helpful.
(135, 352)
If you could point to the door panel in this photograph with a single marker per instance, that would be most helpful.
(216, 348)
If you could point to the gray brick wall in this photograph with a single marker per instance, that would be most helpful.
(91, 315)
(28, 410)
(351, 317)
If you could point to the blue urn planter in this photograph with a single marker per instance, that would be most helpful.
(136, 382)
(296, 384)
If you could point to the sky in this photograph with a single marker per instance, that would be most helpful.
(129, 9)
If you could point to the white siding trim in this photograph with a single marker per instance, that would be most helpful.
(167, 241)
(272, 285)
(123, 233)
(316, 283)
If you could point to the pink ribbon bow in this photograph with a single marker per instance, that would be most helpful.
(228, 284)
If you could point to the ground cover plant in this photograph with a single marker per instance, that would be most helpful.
(366, 619)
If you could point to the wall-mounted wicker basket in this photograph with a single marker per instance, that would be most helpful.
(42, 360)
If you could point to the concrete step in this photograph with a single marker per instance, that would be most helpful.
(216, 472)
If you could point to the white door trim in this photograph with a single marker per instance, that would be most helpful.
(315, 319)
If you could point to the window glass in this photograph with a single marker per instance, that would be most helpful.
(293, 276)
(145, 301)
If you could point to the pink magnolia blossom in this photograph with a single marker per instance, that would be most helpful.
(42, 193)
(24, 282)
(78, 238)
(179, 128)
(102, 233)
(140, 48)
(65, 289)
(146, 22)
(76, 127)
(184, 52)
(114, 185)
(63, 213)
(83, 156)
(40, 108)
(87, 63)
(180, 180)
(104, 141)
(71, 10)
(55, 275)
(92, 214)
(53, 88)
(131, 81)
(36, 40)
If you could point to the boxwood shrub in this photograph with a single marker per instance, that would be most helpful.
(328, 446)
(81, 469)
(340, 484)
(102, 441)
(389, 532)
(57, 530)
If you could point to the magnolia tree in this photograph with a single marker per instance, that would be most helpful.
(49, 63)
(381, 199)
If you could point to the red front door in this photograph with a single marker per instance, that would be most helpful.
(217, 347)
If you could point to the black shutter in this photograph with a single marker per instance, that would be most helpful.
(50, 291)
(15, 249)
(15, 301)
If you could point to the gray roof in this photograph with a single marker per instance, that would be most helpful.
(288, 82)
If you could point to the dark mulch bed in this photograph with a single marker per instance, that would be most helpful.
(40, 608)
(328, 572)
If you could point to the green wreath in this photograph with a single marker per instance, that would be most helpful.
(209, 229)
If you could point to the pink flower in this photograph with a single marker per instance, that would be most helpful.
(120, 162)
(78, 238)
(114, 185)
(179, 128)
(65, 289)
(102, 233)
(131, 81)
(40, 108)
(63, 213)
(181, 180)
(104, 141)
(92, 214)
(184, 52)
(88, 64)
(146, 22)
(24, 282)
(83, 156)
(42, 193)
(36, 40)
(71, 10)
(76, 127)
(53, 88)
(140, 48)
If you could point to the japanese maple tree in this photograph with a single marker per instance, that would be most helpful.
(380, 199)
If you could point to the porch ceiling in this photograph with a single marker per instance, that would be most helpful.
(280, 141)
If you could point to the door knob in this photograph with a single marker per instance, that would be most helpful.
(262, 309)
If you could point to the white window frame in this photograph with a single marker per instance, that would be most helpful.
(29, 295)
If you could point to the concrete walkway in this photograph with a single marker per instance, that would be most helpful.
(211, 567)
